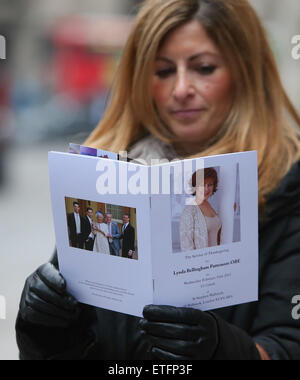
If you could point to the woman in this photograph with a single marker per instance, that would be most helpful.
(200, 226)
(100, 230)
(197, 78)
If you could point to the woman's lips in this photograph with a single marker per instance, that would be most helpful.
(187, 114)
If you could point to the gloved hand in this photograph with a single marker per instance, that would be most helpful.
(45, 301)
(51, 324)
(189, 334)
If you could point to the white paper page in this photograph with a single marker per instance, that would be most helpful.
(213, 276)
(103, 280)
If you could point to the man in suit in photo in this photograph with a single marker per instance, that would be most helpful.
(75, 225)
(114, 236)
(128, 237)
(89, 237)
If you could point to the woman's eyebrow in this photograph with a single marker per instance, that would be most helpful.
(191, 58)
(205, 53)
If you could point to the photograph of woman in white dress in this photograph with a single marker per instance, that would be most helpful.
(200, 225)
(100, 230)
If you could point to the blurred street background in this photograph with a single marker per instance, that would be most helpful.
(61, 56)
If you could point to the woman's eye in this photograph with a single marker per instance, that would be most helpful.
(206, 69)
(164, 73)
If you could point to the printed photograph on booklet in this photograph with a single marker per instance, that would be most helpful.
(201, 218)
(102, 228)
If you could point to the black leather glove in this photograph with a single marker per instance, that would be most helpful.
(50, 323)
(189, 334)
(45, 301)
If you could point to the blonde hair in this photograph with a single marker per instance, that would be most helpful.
(261, 116)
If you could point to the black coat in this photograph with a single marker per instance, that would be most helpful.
(269, 321)
(86, 227)
(72, 226)
(128, 240)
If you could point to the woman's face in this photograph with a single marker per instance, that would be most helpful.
(192, 86)
(99, 218)
(203, 193)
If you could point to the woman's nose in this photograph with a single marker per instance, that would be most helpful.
(183, 87)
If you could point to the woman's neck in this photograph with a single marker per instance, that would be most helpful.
(186, 149)
(204, 204)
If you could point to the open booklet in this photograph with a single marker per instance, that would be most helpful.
(182, 233)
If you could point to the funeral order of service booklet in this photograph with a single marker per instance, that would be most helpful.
(183, 233)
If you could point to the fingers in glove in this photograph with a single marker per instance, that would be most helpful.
(36, 303)
(160, 354)
(177, 315)
(43, 291)
(172, 314)
(177, 347)
(171, 330)
(37, 318)
(51, 277)
(34, 316)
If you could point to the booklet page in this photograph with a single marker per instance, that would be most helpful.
(102, 231)
(205, 238)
